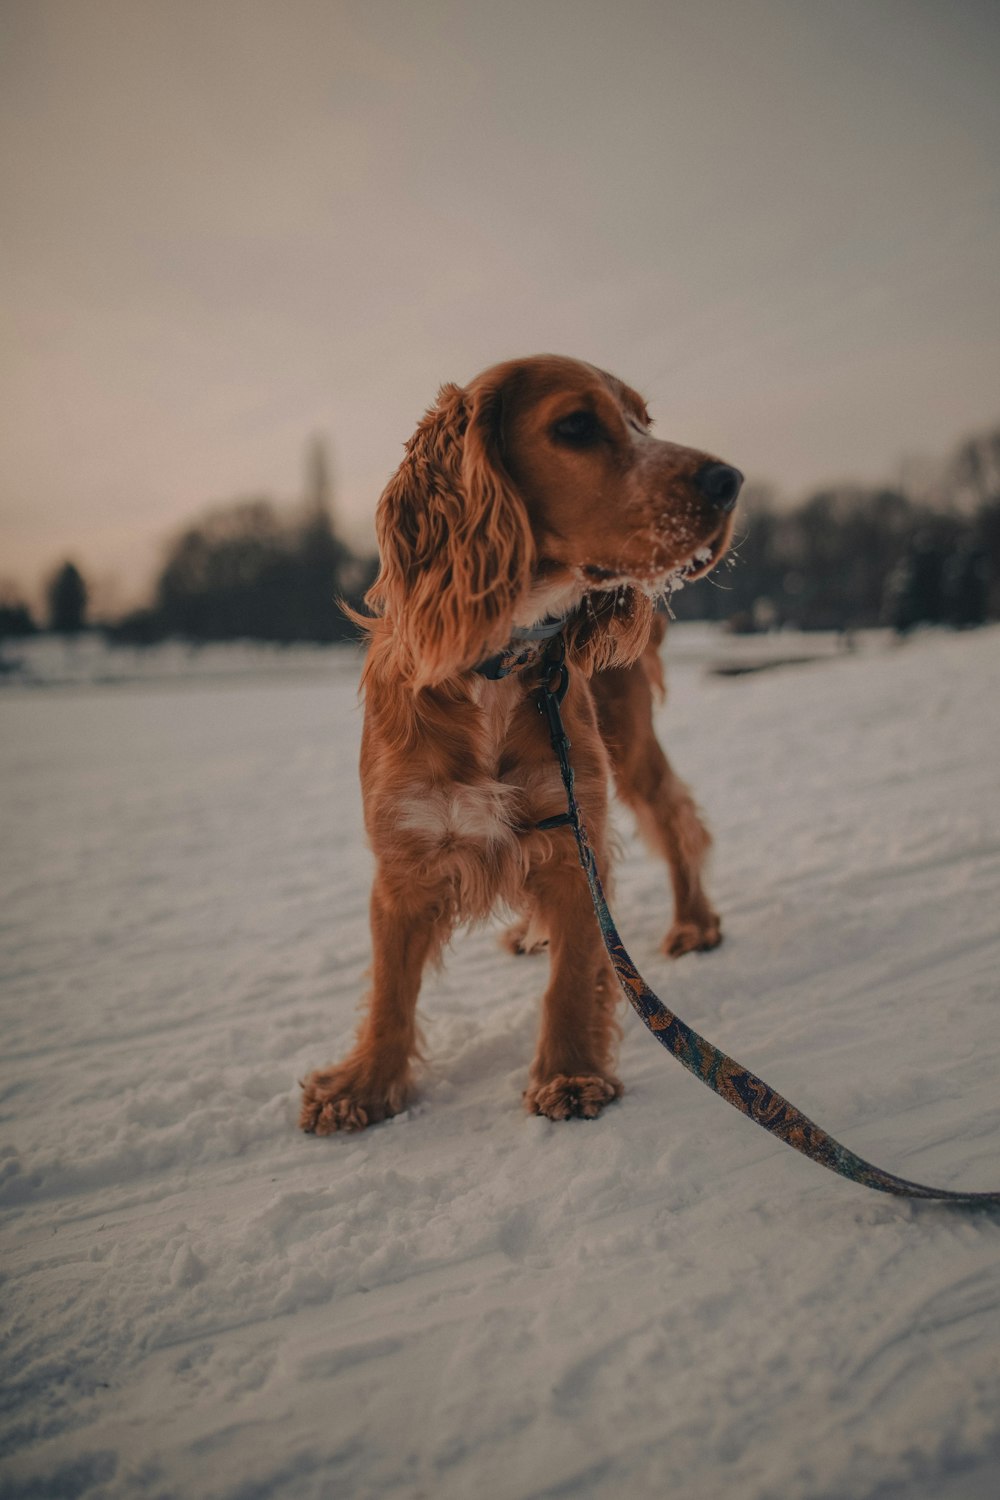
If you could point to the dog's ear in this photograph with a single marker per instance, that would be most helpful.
(610, 629)
(455, 543)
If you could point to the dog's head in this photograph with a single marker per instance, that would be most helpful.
(539, 490)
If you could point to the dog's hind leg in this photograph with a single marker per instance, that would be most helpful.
(527, 935)
(672, 826)
(665, 810)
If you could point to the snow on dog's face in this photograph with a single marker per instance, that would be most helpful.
(609, 503)
(539, 490)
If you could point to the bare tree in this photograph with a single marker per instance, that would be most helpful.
(67, 600)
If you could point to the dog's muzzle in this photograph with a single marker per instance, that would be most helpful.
(719, 484)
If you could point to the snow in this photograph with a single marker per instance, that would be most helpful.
(201, 1302)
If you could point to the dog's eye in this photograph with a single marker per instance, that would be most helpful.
(581, 428)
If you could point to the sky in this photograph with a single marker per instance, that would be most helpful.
(231, 227)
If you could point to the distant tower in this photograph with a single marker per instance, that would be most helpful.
(319, 495)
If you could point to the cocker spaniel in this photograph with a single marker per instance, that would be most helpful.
(536, 494)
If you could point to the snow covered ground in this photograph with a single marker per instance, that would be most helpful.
(201, 1302)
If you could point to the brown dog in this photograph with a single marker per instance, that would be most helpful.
(535, 493)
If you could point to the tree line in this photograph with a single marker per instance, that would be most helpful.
(245, 571)
(249, 572)
(852, 558)
(845, 558)
(855, 556)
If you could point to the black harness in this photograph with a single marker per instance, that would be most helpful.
(526, 647)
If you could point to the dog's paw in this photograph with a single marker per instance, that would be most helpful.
(565, 1098)
(524, 937)
(693, 937)
(337, 1099)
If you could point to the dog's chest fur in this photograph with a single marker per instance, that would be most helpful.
(477, 833)
(486, 808)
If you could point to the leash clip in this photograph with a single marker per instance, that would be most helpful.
(555, 684)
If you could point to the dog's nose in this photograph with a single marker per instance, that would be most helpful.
(719, 484)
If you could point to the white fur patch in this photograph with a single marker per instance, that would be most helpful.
(478, 814)
(547, 601)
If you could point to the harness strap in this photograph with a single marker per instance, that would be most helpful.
(526, 647)
(721, 1073)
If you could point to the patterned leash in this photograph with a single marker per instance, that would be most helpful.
(728, 1078)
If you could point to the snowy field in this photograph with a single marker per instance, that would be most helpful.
(465, 1303)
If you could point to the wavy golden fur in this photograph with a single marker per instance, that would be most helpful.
(535, 491)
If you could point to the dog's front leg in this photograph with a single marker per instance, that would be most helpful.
(573, 1071)
(374, 1079)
